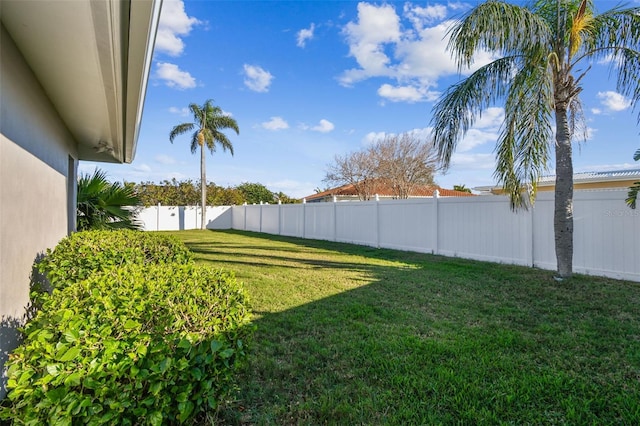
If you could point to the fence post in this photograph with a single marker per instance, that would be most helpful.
(279, 217)
(377, 221)
(335, 218)
(244, 227)
(531, 236)
(304, 217)
(436, 221)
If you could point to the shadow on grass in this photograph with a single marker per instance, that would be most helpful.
(357, 335)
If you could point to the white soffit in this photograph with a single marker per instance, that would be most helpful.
(92, 57)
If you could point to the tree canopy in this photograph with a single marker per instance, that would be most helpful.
(402, 161)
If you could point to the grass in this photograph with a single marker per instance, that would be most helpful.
(357, 335)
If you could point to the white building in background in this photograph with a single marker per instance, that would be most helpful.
(73, 77)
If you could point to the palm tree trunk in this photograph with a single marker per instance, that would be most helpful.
(563, 212)
(203, 188)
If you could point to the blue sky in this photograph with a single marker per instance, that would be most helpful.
(308, 80)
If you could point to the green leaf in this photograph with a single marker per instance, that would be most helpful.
(216, 346)
(73, 379)
(155, 418)
(131, 324)
(55, 395)
(71, 335)
(227, 353)
(70, 354)
(53, 369)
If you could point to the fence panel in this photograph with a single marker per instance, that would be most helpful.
(320, 221)
(356, 223)
(270, 219)
(253, 218)
(292, 220)
(484, 228)
(606, 235)
(408, 224)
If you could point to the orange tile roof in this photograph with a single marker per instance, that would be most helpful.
(383, 189)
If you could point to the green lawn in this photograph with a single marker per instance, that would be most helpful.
(357, 335)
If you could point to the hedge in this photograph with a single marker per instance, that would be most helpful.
(150, 343)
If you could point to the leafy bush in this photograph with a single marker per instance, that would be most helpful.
(79, 255)
(138, 344)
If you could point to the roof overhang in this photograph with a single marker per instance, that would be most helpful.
(92, 58)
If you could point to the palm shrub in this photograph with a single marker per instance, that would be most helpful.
(105, 205)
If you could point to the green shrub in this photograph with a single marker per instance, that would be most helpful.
(139, 344)
(79, 255)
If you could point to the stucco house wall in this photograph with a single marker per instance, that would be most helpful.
(38, 158)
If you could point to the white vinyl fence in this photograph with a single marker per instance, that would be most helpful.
(606, 231)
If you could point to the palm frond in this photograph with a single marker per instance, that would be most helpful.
(522, 151)
(180, 129)
(497, 26)
(632, 195)
(636, 156)
(581, 24)
(101, 204)
(456, 111)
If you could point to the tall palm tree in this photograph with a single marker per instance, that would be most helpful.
(208, 120)
(105, 205)
(544, 51)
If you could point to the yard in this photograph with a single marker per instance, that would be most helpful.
(357, 335)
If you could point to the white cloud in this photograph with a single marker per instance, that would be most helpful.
(596, 111)
(491, 118)
(420, 16)
(613, 101)
(324, 126)
(184, 112)
(372, 137)
(165, 159)
(275, 123)
(304, 35)
(375, 27)
(412, 50)
(409, 94)
(484, 131)
(142, 168)
(256, 78)
(473, 161)
(173, 24)
(174, 76)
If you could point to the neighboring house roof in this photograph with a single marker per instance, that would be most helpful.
(383, 190)
(92, 58)
(583, 180)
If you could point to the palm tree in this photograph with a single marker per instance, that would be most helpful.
(208, 120)
(544, 51)
(105, 205)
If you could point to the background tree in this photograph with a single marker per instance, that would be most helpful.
(537, 75)
(357, 169)
(401, 162)
(632, 196)
(209, 120)
(255, 193)
(461, 188)
(405, 162)
(285, 199)
(219, 196)
(105, 205)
